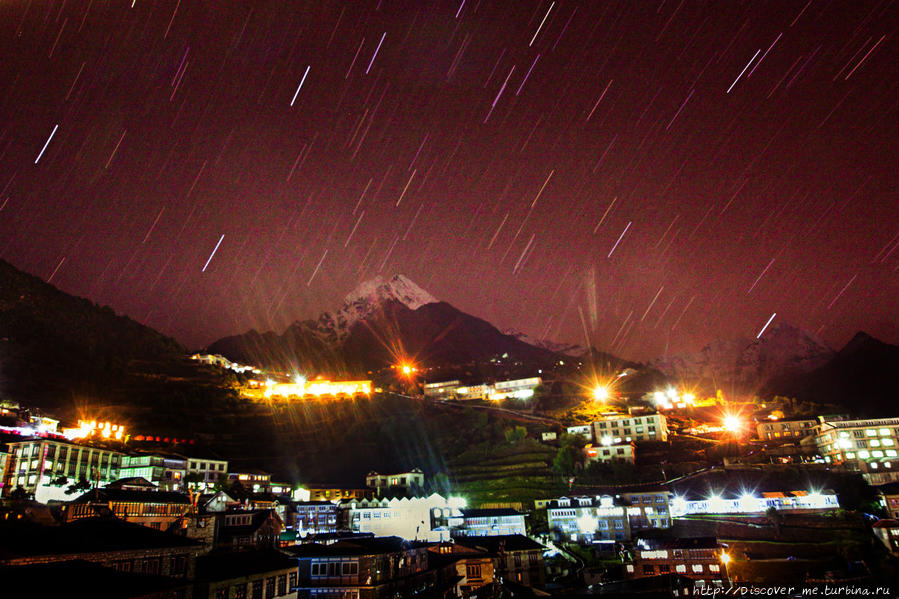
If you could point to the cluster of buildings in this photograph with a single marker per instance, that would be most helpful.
(614, 436)
(456, 390)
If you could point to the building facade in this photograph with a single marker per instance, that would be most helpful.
(41, 465)
(701, 559)
(166, 472)
(626, 428)
(206, 472)
(785, 429)
(371, 568)
(403, 483)
(755, 503)
(653, 506)
(488, 522)
(314, 517)
(622, 452)
(871, 446)
(410, 518)
(589, 519)
(154, 509)
(441, 390)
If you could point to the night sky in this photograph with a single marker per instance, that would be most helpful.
(649, 174)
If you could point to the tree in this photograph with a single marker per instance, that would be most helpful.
(515, 434)
(776, 519)
(81, 486)
(567, 460)
(19, 494)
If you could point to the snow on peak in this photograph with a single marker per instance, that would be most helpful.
(366, 299)
(399, 288)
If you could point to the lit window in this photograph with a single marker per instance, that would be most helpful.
(877, 453)
(864, 455)
(680, 568)
(850, 455)
(714, 568)
(870, 432)
(891, 453)
(630, 569)
(884, 432)
(697, 568)
(887, 442)
(873, 465)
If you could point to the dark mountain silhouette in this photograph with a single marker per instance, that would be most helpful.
(863, 377)
(54, 346)
(379, 323)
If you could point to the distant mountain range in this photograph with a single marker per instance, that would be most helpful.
(55, 347)
(747, 364)
(380, 323)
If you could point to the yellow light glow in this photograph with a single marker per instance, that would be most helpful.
(725, 558)
(600, 393)
(732, 424)
(319, 387)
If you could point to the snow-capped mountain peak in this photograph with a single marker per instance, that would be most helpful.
(366, 299)
(398, 288)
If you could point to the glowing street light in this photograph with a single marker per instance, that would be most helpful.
(725, 558)
(600, 393)
(732, 423)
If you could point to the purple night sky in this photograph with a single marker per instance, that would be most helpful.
(649, 174)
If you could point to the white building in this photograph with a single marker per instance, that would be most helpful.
(871, 446)
(412, 518)
(627, 428)
(441, 390)
(750, 503)
(589, 519)
(584, 430)
(785, 429)
(488, 523)
(210, 470)
(621, 452)
(653, 506)
(518, 388)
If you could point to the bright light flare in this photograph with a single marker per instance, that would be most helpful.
(732, 423)
(725, 558)
(600, 393)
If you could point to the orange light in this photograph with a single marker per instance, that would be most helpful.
(600, 393)
(725, 558)
(732, 424)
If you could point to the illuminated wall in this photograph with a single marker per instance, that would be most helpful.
(318, 388)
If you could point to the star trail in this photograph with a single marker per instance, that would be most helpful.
(558, 167)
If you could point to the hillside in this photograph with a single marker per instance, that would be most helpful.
(55, 347)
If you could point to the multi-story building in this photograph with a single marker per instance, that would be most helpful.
(366, 568)
(488, 522)
(246, 574)
(889, 498)
(314, 517)
(701, 559)
(474, 566)
(517, 389)
(254, 481)
(589, 519)
(516, 558)
(626, 428)
(620, 452)
(403, 483)
(167, 472)
(441, 390)
(584, 430)
(748, 503)
(481, 391)
(411, 518)
(45, 467)
(325, 492)
(871, 446)
(154, 509)
(653, 508)
(206, 471)
(785, 429)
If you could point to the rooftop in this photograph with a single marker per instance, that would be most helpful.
(505, 542)
(229, 565)
(88, 535)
